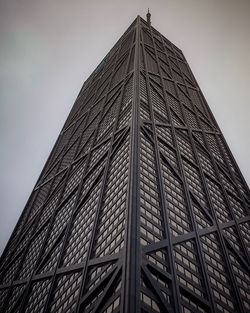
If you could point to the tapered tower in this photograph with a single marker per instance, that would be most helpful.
(141, 206)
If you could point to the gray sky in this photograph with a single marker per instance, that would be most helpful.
(50, 47)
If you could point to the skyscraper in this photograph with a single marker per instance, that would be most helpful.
(141, 206)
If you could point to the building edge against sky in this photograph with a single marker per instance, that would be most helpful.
(141, 206)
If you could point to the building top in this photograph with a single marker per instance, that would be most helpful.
(149, 17)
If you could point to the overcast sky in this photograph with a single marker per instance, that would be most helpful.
(50, 47)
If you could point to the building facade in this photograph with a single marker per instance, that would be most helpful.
(141, 206)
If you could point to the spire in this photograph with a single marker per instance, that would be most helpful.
(149, 18)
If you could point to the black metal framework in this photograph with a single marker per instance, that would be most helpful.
(141, 206)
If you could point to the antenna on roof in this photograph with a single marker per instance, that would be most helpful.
(149, 18)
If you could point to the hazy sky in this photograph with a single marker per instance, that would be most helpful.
(49, 47)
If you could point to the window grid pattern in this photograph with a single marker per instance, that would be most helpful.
(200, 217)
(46, 178)
(157, 102)
(235, 175)
(37, 296)
(110, 232)
(108, 119)
(184, 68)
(233, 238)
(194, 181)
(177, 210)
(63, 139)
(150, 230)
(31, 256)
(51, 263)
(40, 198)
(169, 86)
(149, 303)
(168, 153)
(168, 46)
(206, 164)
(155, 80)
(51, 174)
(237, 207)
(176, 75)
(65, 293)
(214, 148)
(188, 269)
(57, 181)
(218, 202)
(15, 236)
(74, 179)
(163, 285)
(204, 121)
(151, 62)
(10, 270)
(104, 83)
(61, 219)
(205, 125)
(175, 106)
(198, 136)
(111, 305)
(196, 100)
(227, 184)
(127, 42)
(90, 178)
(245, 232)
(242, 187)
(98, 152)
(185, 147)
(165, 69)
(176, 119)
(91, 305)
(87, 138)
(218, 274)
(125, 117)
(93, 113)
(242, 279)
(158, 43)
(49, 209)
(19, 248)
(226, 154)
(79, 237)
(143, 89)
(119, 73)
(3, 295)
(165, 134)
(126, 106)
(191, 306)
(131, 61)
(68, 156)
(184, 96)
(79, 126)
(159, 259)
(15, 296)
(191, 118)
(144, 111)
(174, 64)
(96, 274)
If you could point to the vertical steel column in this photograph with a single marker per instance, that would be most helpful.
(164, 204)
(132, 261)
